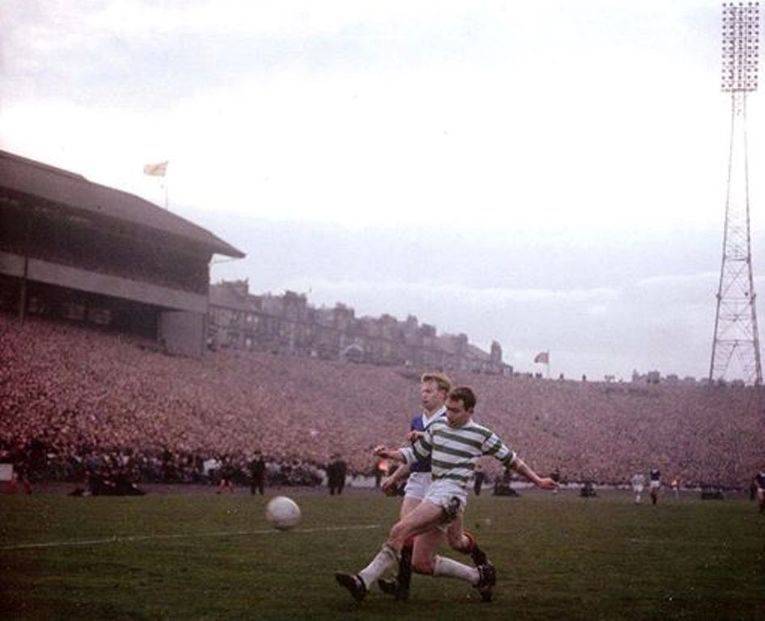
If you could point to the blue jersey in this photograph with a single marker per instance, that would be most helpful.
(418, 425)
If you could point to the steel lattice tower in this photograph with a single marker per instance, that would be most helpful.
(736, 344)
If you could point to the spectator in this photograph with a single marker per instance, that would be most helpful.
(258, 474)
(336, 473)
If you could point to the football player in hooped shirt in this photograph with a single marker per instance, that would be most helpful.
(455, 444)
(419, 552)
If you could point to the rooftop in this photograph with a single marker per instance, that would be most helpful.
(62, 187)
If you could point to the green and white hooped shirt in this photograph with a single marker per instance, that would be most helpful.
(454, 451)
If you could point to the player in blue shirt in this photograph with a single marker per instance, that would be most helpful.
(655, 484)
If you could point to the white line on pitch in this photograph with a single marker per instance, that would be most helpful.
(130, 538)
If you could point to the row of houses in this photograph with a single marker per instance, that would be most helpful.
(288, 324)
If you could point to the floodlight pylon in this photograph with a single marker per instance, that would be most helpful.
(736, 343)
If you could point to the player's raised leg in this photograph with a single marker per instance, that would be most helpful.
(426, 561)
(465, 542)
(424, 551)
(421, 519)
(424, 558)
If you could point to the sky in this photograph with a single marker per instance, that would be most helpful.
(550, 175)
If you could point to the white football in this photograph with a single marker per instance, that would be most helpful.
(283, 513)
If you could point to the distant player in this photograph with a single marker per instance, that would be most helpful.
(675, 487)
(455, 445)
(638, 485)
(759, 481)
(419, 551)
(655, 485)
(226, 472)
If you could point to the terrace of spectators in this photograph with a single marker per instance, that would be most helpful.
(77, 392)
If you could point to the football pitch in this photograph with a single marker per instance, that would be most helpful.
(202, 556)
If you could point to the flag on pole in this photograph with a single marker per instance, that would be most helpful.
(542, 357)
(155, 170)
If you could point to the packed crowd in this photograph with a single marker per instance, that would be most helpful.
(73, 399)
(38, 460)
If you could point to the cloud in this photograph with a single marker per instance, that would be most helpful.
(480, 295)
(396, 107)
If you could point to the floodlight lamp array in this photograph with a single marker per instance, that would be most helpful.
(740, 46)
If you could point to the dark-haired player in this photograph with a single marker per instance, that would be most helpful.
(420, 551)
(454, 445)
(655, 484)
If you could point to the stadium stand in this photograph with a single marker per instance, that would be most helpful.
(72, 395)
(79, 250)
(97, 286)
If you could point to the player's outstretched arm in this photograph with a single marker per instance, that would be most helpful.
(390, 483)
(522, 468)
(386, 453)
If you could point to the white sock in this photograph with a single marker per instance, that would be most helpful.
(386, 558)
(446, 567)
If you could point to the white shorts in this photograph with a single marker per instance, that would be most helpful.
(655, 484)
(638, 489)
(417, 485)
(450, 496)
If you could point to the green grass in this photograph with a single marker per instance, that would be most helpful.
(558, 557)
